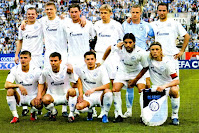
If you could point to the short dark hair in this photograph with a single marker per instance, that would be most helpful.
(163, 4)
(55, 54)
(89, 53)
(129, 36)
(25, 52)
(137, 6)
(155, 43)
(32, 8)
(74, 6)
(50, 3)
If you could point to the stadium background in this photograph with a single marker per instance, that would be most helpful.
(184, 11)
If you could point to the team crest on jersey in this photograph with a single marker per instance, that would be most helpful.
(31, 76)
(133, 58)
(95, 75)
(154, 105)
(112, 27)
(141, 28)
(62, 76)
(35, 27)
(169, 24)
(162, 68)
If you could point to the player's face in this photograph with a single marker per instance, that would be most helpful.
(90, 61)
(55, 63)
(162, 12)
(31, 15)
(25, 60)
(135, 14)
(50, 11)
(105, 14)
(75, 13)
(129, 45)
(156, 51)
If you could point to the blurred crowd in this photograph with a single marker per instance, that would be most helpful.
(12, 12)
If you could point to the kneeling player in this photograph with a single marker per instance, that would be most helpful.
(26, 78)
(94, 82)
(163, 76)
(59, 91)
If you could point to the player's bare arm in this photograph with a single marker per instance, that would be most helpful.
(132, 83)
(100, 88)
(9, 85)
(39, 94)
(185, 42)
(171, 84)
(19, 46)
(106, 54)
(80, 89)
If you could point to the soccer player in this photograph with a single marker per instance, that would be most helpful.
(94, 82)
(166, 32)
(78, 37)
(132, 60)
(108, 33)
(31, 39)
(59, 91)
(24, 91)
(141, 30)
(163, 76)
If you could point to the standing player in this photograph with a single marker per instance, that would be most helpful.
(108, 33)
(78, 37)
(31, 39)
(141, 30)
(59, 90)
(132, 60)
(26, 77)
(94, 82)
(166, 32)
(163, 76)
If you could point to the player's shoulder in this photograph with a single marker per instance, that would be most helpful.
(115, 22)
(139, 50)
(15, 68)
(99, 22)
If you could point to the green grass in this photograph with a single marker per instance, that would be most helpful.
(189, 123)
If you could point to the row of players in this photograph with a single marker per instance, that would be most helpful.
(92, 82)
(60, 33)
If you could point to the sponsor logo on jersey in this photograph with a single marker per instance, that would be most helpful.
(162, 34)
(126, 63)
(75, 34)
(30, 37)
(56, 84)
(153, 69)
(48, 29)
(24, 84)
(154, 105)
(102, 35)
(89, 82)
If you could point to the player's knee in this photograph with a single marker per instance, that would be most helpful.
(47, 99)
(10, 92)
(174, 91)
(72, 92)
(107, 90)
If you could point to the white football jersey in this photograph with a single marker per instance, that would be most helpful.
(166, 34)
(131, 62)
(93, 78)
(28, 79)
(54, 34)
(107, 34)
(161, 72)
(32, 38)
(58, 83)
(78, 38)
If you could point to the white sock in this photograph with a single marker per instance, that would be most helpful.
(107, 101)
(72, 101)
(25, 107)
(84, 110)
(33, 109)
(141, 103)
(129, 99)
(12, 105)
(175, 104)
(64, 108)
(51, 107)
(117, 102)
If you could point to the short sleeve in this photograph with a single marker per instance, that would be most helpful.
(11, 75)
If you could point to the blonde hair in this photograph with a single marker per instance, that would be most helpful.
(158, 44)
(106, 7)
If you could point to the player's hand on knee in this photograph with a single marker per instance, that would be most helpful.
(131, 83)
(37, 101)
(23, 90)
(160, 88)
(80, 99)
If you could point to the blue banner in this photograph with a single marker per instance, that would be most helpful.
(7, 61)
(188, 64)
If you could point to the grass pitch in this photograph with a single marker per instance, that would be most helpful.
(188, 114)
